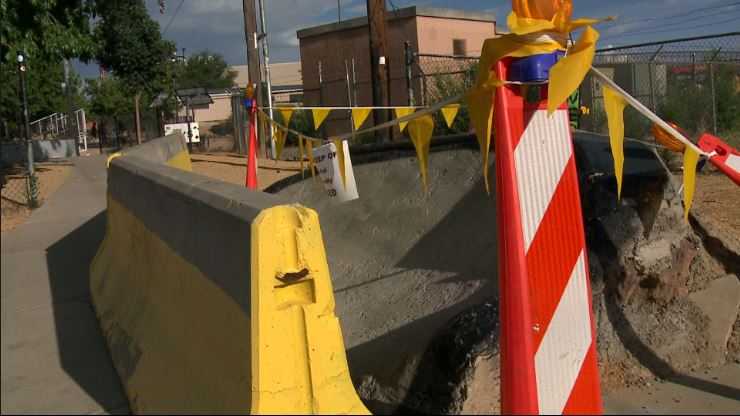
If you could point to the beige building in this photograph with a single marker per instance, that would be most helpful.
(430, 31)
(286, 87)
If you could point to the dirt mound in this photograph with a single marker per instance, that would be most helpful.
(410, 267)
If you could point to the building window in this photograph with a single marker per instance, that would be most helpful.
(459, 47)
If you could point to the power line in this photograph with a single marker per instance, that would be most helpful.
(622, 35)
(690, 12)
(172, 19)
(673, 24)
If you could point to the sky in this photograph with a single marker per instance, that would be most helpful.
(218, 25)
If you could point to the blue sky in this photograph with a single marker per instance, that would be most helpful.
(218, 25)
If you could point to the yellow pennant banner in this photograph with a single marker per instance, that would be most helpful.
(449, 112)
(480, 106)
(359, 115)
(309, 150)
(287, 113)
(319, 115)
(401, 112)
(279, 141)
(340, 155)
(614, 105)
(568, 73)
(690, 158)
(300, 151)
(420, 130)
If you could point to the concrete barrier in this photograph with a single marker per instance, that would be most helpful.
(213, 298)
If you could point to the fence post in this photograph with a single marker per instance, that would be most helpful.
(408, 61)
(349, 93)
(354, 82)
(714, 98)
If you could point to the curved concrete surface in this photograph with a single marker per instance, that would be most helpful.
(404, 263)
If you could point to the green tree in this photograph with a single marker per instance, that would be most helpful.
(129, 44)
(44, 91)
(108, 102)
(205, 70)
(46, 29)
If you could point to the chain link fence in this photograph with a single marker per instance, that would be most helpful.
(694, 82)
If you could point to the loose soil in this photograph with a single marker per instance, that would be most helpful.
(15, 210)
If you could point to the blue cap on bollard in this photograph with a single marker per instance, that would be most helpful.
(535, 68)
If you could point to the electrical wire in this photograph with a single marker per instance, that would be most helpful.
(172, 19)
(621, 35)
(690, 12)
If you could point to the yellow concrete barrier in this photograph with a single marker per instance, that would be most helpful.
(213, 298)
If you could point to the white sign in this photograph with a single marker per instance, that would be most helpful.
(327, 163)
(183, 128)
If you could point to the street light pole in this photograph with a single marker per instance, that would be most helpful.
(27, 130)
(70, 110)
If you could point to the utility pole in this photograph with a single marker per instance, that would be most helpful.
(253, 63)
(266, 63)
(71, 126)
(378, 59)
(339, 10)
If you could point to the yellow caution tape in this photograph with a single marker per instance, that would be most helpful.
(614, 105)
(449, 112)
(690, 158)
(402, 112)
(420, 131)
(480, 106)
(359, 115)
(319, 115)
(340, 155)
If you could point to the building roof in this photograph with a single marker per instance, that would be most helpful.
(285, 73)
(402, 13)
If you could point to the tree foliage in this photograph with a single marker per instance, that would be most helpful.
(108, 98)
(205, 70)
(44, 91)
(46, 29)
(130, 45)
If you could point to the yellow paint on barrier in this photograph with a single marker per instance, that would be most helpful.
(298, 352)
(158, 311)
(181, 160)
(111, 157)
(162, 318)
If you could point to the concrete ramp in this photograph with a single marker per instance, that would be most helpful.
(213, 298)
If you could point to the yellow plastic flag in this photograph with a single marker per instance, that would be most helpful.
(568, 73)
(480, 106)
(690, 158)
(420, 130)
(309, 150)
(359, 115)
(279, 141)
(319, 115)
(340, 156)
(449, 112)
(287, 113)
(614, 105)
(401, 112)
(300, 151)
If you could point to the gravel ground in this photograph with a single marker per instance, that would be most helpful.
(51, 175)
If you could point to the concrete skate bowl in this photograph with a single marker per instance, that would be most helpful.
(408, 266)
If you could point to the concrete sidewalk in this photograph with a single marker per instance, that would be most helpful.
(54, 358)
